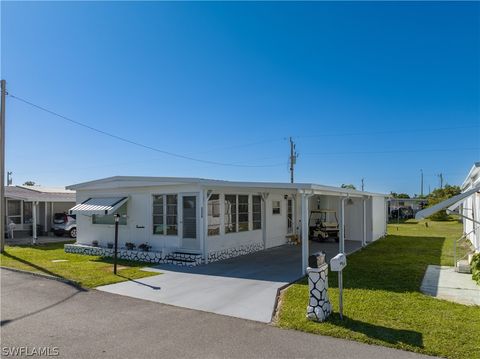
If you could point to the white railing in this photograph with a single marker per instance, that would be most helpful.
(470, 248)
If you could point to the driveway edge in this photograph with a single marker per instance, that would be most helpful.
(46, 276)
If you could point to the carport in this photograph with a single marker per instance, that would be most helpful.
(355, 217)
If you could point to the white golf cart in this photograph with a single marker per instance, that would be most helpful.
(323, 225)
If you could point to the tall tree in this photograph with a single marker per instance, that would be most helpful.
(29, 183)
(349, 186)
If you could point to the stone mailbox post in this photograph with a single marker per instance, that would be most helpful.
(319, 307)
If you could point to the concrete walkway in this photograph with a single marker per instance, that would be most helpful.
(39, 312)
(444, 283)
(243, 287)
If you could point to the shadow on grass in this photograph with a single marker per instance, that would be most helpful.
(44, 271)
(385, 334)
(124, 262)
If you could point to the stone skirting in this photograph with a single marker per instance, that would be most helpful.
(140, 256)
(183, 258)
(150, 257)
(234, 252)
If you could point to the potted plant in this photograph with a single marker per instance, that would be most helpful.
(95, 244)
(130, 246)
(144, 247)
(110, 245)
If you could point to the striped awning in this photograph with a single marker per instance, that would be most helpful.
(99, 205)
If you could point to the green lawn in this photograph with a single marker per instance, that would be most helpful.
(382, 302)
(87, 271)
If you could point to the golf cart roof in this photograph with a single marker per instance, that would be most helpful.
(323, 211)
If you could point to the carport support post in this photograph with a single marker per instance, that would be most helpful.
(364, 241)
(117, 219)
(34, 224)
(341, 250)
(304, 205)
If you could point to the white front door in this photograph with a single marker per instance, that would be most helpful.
(137, 219)
(189, 221)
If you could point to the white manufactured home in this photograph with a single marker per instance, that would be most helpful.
(194, 220)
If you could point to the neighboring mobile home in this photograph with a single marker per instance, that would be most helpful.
(26, 205)
(194, 220)
(471, 207)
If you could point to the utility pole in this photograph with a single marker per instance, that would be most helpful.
(3, 85)
(363, 184)
(293, 159)
(421, 183)
(441, 180)
(9, 178)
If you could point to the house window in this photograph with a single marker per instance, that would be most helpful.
(214, 215)
(275, 207)
(158, 214)
(109, 218)
(230, 213)
(27, 212)
(257, 212)
(14, 210)
(242, 213)
(164, 214)
(172, 228)
(289, 215)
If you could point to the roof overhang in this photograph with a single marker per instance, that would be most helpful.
(449, 204)
(99, 206)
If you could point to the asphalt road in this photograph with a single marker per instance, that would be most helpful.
(39, 312)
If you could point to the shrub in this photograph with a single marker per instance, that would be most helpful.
(144, 247)
(130, 246)
(476, 268)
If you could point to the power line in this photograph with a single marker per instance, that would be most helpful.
(138, 144)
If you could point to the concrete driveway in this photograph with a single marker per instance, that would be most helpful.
(243, 287)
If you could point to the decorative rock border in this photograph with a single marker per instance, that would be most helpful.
(149, 257)
(234, 252)
(319, 307)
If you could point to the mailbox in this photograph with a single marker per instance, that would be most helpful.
(338, 262)
(316, 260)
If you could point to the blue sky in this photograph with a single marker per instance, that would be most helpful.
(372, 90)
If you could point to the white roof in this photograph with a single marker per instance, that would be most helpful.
(473, 176)
(99, 205)
(450, 203)
(137, 181)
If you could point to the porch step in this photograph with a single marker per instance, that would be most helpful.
(463, 266)
(184, 258)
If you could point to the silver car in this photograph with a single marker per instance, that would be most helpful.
(65, 224)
